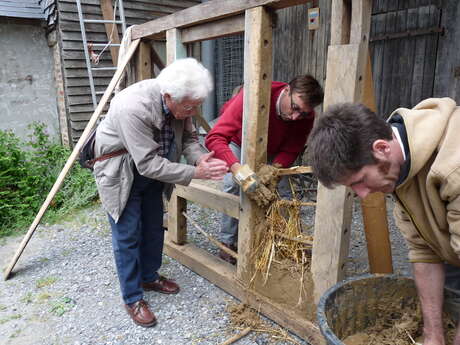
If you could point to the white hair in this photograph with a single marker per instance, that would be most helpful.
(185, 78)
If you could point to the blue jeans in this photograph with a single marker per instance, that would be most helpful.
(229, 227)
(137, 237)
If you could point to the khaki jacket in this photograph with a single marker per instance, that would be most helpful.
(133, 122)
(428, 201)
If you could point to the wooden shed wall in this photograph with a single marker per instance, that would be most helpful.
(79, 106)
(413, 47)
(297, 50)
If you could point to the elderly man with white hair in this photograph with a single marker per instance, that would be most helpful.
(151, 120)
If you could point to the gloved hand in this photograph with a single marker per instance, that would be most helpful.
(246, 178)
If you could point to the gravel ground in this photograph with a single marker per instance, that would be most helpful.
(65, 289)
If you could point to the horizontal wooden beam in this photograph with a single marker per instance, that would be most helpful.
(223, 275)
(211, 30)
(205, 12)
(226, 203)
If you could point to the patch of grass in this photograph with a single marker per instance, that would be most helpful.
(66, 252)
(27, 298)
(44, 296)
(2, 307)
(61, 306)
(15, 333)
(9, 318)
(28, 170)
(42, 282)
(42, 260)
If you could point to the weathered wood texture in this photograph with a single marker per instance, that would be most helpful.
(333, 211)
(404, 55)
(298, 50)
(77, 92)
(21, 9)
(206, 12)
(256, 105)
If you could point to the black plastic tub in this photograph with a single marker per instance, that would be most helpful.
(349, 307)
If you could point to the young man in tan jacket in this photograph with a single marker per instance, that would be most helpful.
(415, 155)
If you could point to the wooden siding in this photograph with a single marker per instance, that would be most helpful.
(404, 52)
(77, 91)
(298, 50)
(21, 9)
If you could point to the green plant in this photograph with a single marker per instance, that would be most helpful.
(62, 306)
(28, 170)
(42, 282)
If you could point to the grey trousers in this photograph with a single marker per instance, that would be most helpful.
(229, 227)
(452, 291)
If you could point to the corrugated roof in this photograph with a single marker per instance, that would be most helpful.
(21, 9)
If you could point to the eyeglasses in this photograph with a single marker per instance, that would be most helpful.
(189, 107)
(296, 109)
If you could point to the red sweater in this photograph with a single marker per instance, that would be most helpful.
(286, 139)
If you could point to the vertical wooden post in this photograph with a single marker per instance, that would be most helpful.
(110, 29)
(257, 89)
(175, 49)
(143, 61)
(177, 224)
(374, 206)
(334, 207)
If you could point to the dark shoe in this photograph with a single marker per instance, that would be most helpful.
(141, 314)
(227, 257)
(162, 285)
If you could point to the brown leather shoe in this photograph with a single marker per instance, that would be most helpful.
(227, 257)
(141, 313)
(162, 285)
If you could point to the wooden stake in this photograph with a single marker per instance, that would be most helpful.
(238, 336)
(295, 170)
(73, 156)
(210, 238)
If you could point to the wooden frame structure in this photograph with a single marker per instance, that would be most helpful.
(349, 46)
(349, 43)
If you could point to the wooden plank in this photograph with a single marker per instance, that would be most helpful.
(222, 274)
(206, 12)
(340, 22)
(374, 209)
(334, 207)
(256, 105)
(177, 224)
(211, 30)
(447, 81)
(175, 49)
(360, 21)
(419, 61)
(211, 198)
(110, 28)
(143, 62)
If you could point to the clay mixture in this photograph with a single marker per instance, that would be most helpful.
(402, 327)
(282, 255)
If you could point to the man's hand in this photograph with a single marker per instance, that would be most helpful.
(209, 167)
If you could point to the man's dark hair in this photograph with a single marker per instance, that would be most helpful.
(340, 142)
(308, 88)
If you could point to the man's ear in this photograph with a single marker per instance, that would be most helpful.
(381, 149)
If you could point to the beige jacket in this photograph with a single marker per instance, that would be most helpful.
(133, 122)
(428, 200)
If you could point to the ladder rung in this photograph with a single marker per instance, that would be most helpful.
(103, 68)
(102, 21)
(104, 44)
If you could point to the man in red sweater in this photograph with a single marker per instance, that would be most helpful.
(290, 121)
